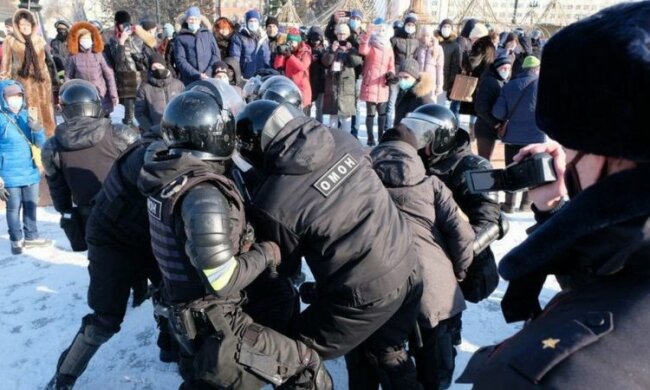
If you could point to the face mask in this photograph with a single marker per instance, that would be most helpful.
(253, 26)
(409, 29)
(504, 74)
(445, 32)
(193, 26)
(406, 84)
(160, 73)
(62, 33)
(86, 43)
(15, 103)
(354, 24)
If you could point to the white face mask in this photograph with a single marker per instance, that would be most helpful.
(504, 74)
(86, 43)
(193, 26)
(253, 26)
(409, 29)
(445, 32)
(15, 103)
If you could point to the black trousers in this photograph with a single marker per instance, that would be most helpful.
(435, 361)
(510, 152)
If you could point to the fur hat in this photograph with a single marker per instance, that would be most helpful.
(410, 66)
(122, 17)
(77, 30)
(588, 108)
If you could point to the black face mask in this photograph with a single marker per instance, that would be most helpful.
(62, 33)
(160, 73)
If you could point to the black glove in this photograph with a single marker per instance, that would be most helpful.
(308, 292)
(391, 79)
(271, 252)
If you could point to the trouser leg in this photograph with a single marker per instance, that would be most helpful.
(485, 147)
(435, 361)
(381, 120)
(14, 206)
(319, 107)
(129, 111)
(30, 204)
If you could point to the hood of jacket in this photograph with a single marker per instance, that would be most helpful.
(19, 14)
(424, 86)
(166, 167)
(467, 29)
(302, 146)
(73, 37)
(3, 102)
(82, 132)
(397, 164)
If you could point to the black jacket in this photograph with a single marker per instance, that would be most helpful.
(453, 58)
(442, 238)
(591, 335)
(416, 96)
(404, 46)
(487, 94)
(321, 199)
(152, 98)
(79, 156)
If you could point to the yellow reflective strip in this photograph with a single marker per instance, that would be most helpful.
(222, 280)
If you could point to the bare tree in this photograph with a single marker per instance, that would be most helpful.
(146, 9)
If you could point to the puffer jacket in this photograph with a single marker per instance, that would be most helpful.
(379, 59)
(443, 240)
(253, 52)
(339, 98)
(487, 93)
(153, 96)
(453, 57)
(522, 128)
(416, 96)
(404, 46)
(17, 168)
(91, 65)
(297, 69)
(195, 53)
(432, 62)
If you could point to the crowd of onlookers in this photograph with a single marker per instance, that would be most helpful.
(393, 69)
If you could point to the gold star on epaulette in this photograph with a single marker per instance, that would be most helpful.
(550, 343)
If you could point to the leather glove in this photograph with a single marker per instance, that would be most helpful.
(271, 252)
(4, 194)
(391, 79)
(308, 292)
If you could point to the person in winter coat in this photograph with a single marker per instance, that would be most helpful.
(166, 49)
(443, 242)
(223, 30)
(80, 154)
(23, 60)
(154, 95)
(297, 67)
(597, 245)
(195, 49)
(431, 58)
(273, 34)
(405, 44)
(453, 56)
(487, 94)
(59, 45)
(340, 61)
(378, 73)
(19, 129)
(515, 50)
(251, 46)
(415, 88)
(516, 104)
(87, 62)
(316, 43)
(126, 53)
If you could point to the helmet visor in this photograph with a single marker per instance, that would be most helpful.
(428, 129)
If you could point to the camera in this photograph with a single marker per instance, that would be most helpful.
(533, 171)
(283, 49)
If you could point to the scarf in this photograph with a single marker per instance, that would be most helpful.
(30, 60)
(378, 41)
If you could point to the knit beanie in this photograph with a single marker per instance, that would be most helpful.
(272, 20)
(122, 17)
(355, 13)
(294, 35)
(411, 18)
(168, 30)
(220, 67)
(531, 62)
(193, 11)
(446, 22)
(502, 60)
(342, 29)
(148, 24)
(157, 58)
(410, 66)
(252, 14)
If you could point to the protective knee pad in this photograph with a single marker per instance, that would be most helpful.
(74, 360)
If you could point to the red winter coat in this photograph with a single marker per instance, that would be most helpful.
(297, 69)
(376, 63)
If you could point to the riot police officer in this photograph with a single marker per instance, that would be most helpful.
(119, 257)
(281, 89)
(319, 198)
(79, 156)
(198, 231)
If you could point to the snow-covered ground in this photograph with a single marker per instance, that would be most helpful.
(44, 298)
(43, 294)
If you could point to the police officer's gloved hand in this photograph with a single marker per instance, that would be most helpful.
(4, 194)
(271, 252)
(308, 292)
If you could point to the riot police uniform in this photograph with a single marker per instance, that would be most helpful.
(320, 199)
(120, 259)
(80, 155)
(198, 235)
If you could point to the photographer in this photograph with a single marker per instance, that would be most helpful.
(592, 334)
(297, 64)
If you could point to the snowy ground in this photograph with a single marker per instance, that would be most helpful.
(44, 299)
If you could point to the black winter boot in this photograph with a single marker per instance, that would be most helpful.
(381, 126)
(370, 123)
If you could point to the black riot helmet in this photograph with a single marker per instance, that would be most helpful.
(80, 98)
(281, 89)
(433, 124)
(258, 123)
(201, 120)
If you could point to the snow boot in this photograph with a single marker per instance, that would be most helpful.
(370, 123)
(17, 247)
(381, 126)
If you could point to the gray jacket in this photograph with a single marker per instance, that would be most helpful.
(442, 239)
(152, 98)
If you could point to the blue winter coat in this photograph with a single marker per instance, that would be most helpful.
(252, 54)
(17, 168)
(195, 54)
(522, 128)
